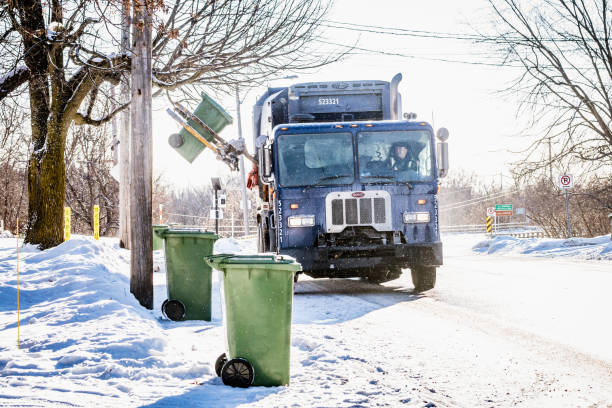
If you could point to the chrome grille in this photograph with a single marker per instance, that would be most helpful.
(344, 210)
(337, 214)
(379, 210)
(350, 208)
(365, 210)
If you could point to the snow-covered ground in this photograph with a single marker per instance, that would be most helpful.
(498, 331)
(576, 248)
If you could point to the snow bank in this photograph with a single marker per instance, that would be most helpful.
(598, 248)
(6, 234)
(235, 246)
(83, 335)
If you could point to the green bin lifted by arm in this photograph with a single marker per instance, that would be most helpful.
(213, 115)
(258, 292)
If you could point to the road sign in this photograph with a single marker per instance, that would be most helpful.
(490, 211)
(503, 207)
(219, 216)
(222, 200)
(520, 211)
(566, 181)
(503, 213)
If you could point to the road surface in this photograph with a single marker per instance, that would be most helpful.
(495, 332)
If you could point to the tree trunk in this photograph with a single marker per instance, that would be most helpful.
(46, 190)
(46, 177)
(141, 152)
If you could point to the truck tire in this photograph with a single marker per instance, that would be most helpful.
(423, 278)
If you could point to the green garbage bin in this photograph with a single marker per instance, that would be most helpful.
(213, 115)
(258, 294)
(158, 241)
(187, 277)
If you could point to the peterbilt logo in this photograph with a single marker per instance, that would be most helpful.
(358, 194)
(340, 85)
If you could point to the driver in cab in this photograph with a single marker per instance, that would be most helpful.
(400, 157)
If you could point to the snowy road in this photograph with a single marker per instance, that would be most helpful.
(497, 331)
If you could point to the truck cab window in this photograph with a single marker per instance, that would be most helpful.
(404, 156)
(315, 159)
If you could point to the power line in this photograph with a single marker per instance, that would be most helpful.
(397, 54)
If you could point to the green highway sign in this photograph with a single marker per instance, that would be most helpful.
(503, 207)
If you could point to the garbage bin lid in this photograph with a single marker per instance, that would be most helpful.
(161, 226)
(188, 232)
(216, 106)
(231, 259)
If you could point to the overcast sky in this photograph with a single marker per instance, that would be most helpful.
(444, 82)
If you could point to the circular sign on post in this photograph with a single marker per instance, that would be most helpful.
(490, 211)
(566, 181)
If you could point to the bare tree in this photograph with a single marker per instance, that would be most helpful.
(88, 179)
(563, 50)
(13, 166)
(63, 51)
(590, 203)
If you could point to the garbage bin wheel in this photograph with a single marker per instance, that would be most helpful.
(237, 372)
(163, 308)
(221, 360)
(173, 310)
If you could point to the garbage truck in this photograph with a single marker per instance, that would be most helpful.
(347, 182)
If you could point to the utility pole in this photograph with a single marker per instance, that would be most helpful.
(141, 154)
(124, 137)
(245, 202)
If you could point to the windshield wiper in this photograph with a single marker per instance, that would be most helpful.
(318, 183)
(335, 176)
(382, 177)
(407, 184)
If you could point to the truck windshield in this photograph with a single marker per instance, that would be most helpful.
(315, 159)
(395, 156)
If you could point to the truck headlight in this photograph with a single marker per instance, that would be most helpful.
(296, 221)
(415, 217)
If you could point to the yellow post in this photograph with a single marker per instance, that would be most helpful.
(489, 224)
(96, 222)
(18, 342)
(66, 223)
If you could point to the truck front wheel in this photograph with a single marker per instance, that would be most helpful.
(423, 278)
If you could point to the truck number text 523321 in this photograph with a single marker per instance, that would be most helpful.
(329, 101)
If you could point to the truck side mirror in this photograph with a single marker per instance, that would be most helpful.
(267, 159)
(442, 152)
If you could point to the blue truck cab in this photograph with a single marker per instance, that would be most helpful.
(348, 187)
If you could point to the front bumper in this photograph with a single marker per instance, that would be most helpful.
(340, 261)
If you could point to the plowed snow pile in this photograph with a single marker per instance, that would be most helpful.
(598, 248)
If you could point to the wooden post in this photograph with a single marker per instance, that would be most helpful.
(141, 152)
(124, 138)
